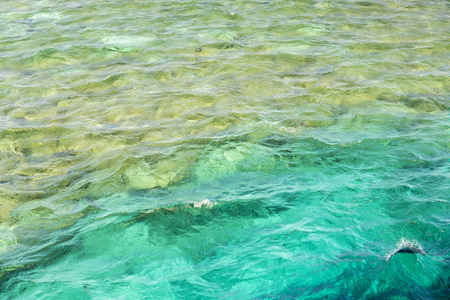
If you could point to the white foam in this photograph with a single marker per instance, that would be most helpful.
(204, 203)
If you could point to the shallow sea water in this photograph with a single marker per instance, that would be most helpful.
(224, 149)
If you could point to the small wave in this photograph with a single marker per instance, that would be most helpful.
(205, 203)
(405, 246)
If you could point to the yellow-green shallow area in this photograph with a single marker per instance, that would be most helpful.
(224, 149)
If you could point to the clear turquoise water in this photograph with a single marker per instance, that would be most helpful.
(224, 150)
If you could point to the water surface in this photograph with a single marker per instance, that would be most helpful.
(224, 149)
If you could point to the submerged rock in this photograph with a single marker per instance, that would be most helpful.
(128, 41)
(417, 102)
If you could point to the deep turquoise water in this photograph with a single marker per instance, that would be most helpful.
(224, 150)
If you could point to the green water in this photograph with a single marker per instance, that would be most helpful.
(224, 149)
